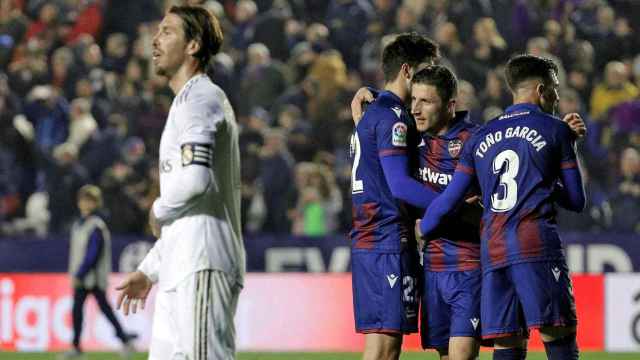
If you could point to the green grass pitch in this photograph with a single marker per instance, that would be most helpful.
(319, 356)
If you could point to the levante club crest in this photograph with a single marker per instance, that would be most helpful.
(454, 147)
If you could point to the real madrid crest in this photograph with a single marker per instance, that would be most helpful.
(187, 154)
(454, 147)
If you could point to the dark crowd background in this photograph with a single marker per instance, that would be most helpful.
(79, 102)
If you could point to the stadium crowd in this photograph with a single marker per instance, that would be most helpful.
(79, 103)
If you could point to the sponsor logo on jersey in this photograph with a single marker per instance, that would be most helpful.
(475, 322)
(399, 134)
(392, 278)
(434, 177)
(454, 147)
(556, 273)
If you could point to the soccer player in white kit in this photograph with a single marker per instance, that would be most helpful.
(198, 260)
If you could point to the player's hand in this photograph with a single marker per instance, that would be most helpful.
(577, 125)
(363, 95)
(474, 199)
(156, 230)
(133, 290)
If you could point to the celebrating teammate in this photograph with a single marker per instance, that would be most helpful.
(525, 162)
(198, 260)
(385, 264)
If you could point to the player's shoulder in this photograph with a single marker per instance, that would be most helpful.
(200, 91)
(385, 108)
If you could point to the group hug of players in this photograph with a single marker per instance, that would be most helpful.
(479, 201)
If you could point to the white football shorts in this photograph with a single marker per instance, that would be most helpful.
(194, 321)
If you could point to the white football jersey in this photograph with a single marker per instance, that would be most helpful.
(203, 232)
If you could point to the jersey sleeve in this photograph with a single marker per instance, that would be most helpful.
(198, 119)
(391, 133)
(566, 144)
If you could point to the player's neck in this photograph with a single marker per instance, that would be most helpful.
(184, 73)
(526, 96)
(397, 87)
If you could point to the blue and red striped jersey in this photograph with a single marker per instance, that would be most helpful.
(517, 159)
(380, 222)
(457, 248)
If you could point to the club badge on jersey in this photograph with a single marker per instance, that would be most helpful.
(454, 147)
(187, 154)
(196, 154)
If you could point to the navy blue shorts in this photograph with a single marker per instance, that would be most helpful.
(385, 291)
(450, 306)
(526, 296)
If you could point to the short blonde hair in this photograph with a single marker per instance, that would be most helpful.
(92, 192)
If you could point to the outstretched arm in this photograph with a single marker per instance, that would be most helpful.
(446, 202)
(571, 195)
(402, 185)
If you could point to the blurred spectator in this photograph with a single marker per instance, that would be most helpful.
(495, 92)
(82, 124)
(486, 50)
(263, 80)
(270, 29)
(319, 201)
(626, 199)
(468, 101)
(35, 221)
(275, 178)
(615, 89)
(298, 133)
(540, 46)
(116, 48)
(49, 114)
(407, 21)
(451, 48)
(13, 27)
(245, 17)
(347, 21)
(64, 176)
(47, 17)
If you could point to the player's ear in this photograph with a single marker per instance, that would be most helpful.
(540, 89)
(451, 106)
(405, 70)
(193, 47)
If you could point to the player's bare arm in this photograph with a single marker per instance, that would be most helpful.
(133, 290)
(362, 96)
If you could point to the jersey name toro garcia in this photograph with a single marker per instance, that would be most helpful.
(517, 159)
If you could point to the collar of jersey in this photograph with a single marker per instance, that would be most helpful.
(186, 85)
(523, 106)
(394, 97)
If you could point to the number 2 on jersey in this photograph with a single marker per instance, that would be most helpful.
(356, 185)
(508, 186)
